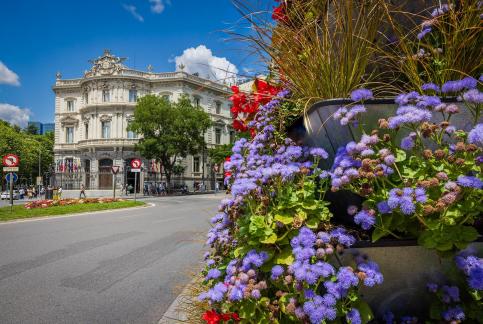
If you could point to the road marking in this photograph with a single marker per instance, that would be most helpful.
(53, 217)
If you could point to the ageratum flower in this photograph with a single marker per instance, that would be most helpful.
(365, 219)
(473, 96)
(425, 30)
(469, 182)
(472, 267)
(454, 314)
(450, 294)
(457, 86)
(407, 143)
(475, 136)
(277, 271)
(405, 199)
(361, 95)
(430, 86)
(353, 316)
(372, 273)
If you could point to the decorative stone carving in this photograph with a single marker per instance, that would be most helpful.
(69, 121)
(107, 64)
(129, 117)
(105, 118)
(58, 76)
(85, 119)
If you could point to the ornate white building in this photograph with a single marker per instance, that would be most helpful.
(92, 114)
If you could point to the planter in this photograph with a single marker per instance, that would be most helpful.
(318, 128)
(407, 268)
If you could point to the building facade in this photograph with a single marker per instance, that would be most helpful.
(92, 114)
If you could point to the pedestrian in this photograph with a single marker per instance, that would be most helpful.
(82, 191)
(217, 187)
(59, 192)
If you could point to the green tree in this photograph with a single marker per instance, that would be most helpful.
(170, 130)
(219, 153)
(32, 129)
(30, 149)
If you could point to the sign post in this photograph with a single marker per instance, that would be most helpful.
(11, 161)
(136, 168)
(115, 170)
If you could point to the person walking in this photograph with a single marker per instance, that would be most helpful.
(82, 191)
(59, 192)
(217, 187)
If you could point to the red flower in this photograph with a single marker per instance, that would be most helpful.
(252, 132)
(280, 13)
(211, 317)
(239, 126)
(235, 316)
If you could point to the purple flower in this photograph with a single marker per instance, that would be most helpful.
(475, 136)
(383, 207)
(353, 316)
(430, 86)
(213, 274)
(256, 294)
(454, 314)
(432, 287)
(319, 152)
(469, 182)
(361, 95)
(473, 96)
(451, 293)
(407, 143)
(277, 271)
(457, 86)
(365, 219)
(352, 210)
(373, 274)
(426, 30)
(340, 234)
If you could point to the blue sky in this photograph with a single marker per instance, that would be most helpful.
(39, 38)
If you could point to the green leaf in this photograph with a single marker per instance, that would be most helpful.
(312, 222)
(285, 257)
(365, 310)
(378, 233)
(284, 218)
(271, 239)
(401, 155)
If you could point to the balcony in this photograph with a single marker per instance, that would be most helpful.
(106, 142)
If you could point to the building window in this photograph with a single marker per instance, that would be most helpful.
(69, 135)
(106, 129)
(217, 136)
(70, 105)
(131, 134)
(232, 136)
(87, 131)
(196, 101)
(218, 108)
(133, 95)
(196, 164)
(106, 96)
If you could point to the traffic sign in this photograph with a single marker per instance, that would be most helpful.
(15, 177)
(10, 169)
(115, 169)
(38, 181)
(10, 160)
(135, 164)
(135, 170)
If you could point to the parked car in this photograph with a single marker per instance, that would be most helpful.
(6, 195)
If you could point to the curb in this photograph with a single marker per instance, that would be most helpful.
(35, 219)
(173, 314)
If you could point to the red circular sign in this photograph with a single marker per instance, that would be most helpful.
(135, 163)
(11, 160)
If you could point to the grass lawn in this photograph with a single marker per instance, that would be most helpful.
(19, 211)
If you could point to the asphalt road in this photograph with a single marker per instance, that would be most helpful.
(111, 267)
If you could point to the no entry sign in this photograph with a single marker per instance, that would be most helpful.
(136, 163)
(10, 160)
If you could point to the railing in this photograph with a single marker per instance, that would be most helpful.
(152, 76)
(107, 142)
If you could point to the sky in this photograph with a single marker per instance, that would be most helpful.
(41, 37)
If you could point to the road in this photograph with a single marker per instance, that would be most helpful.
(112, 267)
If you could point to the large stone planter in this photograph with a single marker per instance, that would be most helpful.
(318, 128)
(406, 266)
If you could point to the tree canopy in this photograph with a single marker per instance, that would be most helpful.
(29, 147)
(170, 130)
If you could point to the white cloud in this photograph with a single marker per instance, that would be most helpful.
(202, 61)
(14, 115)
(158, 6)
(133, 11)
(7, 76)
